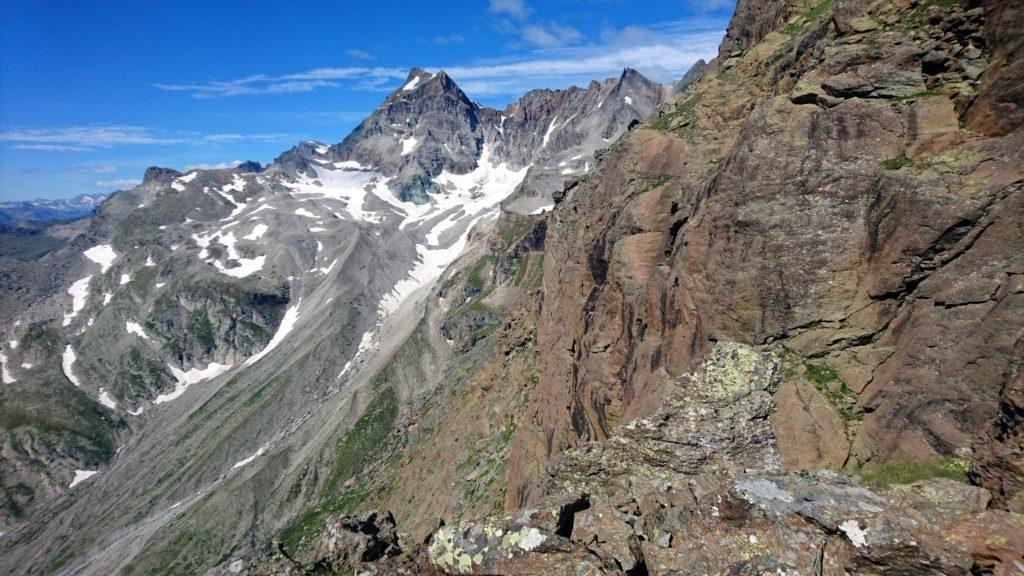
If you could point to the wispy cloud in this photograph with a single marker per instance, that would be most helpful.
(85, 138)
(364, 77)
(517, 9)
(274, 137)
(120, 183)
(78, 138)
(359, 54)
(50, 147)
(453, 38)
(551, 35)
(218, 166)
(92, 169)
(664, 53)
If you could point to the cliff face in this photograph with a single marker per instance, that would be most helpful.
(846, 190)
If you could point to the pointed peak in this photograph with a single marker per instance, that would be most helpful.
(417, 77)
(416, 72)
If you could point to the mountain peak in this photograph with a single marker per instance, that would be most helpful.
(159, 174)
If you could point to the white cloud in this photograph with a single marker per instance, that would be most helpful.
(92, 169)
(277, 137)
(514, 8)
(120, 183)
(663, 53)
(50, 147)
(75, 138)
(291, 83)
(663, 61)
(219, 166)
(551, 36)
(84, 138)
(359, 54)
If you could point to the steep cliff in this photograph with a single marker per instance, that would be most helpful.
(838, 191)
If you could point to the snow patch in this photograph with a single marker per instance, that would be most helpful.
(258, 231)
(291, 316)
(411, 84)
(191, 377)
(409, 144)
(67, 362)
(79, 292)
(543, 209)
(551, 128)
(328, 269)
(81, 476)
(5, 375)
(135, 328)
(350, 165)
(304, 212)
(628, 100)
(103, 255)
(107, 400)
(477, 194)
(125, 278)
(254, 456)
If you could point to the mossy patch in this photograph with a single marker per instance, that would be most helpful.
(911, 471)
(825, 380)
(799, 24)
(681, 119)
(896, 163)
(821, 373)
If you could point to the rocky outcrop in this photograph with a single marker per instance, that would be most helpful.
(821, 191)
(715, 418)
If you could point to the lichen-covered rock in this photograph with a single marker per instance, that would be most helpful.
(716, 417)
(477, 548)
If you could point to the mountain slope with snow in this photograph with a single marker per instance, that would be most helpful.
(226, 327)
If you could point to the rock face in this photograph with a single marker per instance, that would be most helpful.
(820, 190)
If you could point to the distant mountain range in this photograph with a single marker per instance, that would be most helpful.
(48, 210)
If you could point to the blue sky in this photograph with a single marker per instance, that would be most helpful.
(93, 92)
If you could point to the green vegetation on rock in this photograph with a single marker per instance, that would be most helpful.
(801, 22)
(896, 163)
(359, 447)
(679, 119)
(911, 471)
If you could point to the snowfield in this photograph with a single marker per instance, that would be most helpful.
(103, 255)
(79, 292)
